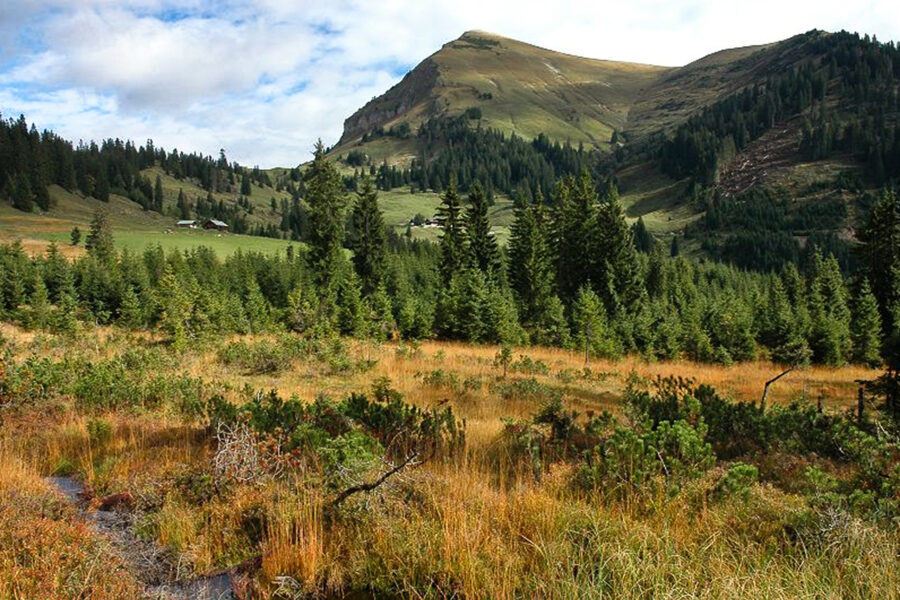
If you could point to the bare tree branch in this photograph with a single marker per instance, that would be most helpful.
(368, 487)
(762, 403)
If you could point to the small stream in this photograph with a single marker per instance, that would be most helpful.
(148, 561)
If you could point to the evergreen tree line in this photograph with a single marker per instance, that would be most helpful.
(859, 76)
(452, 147)
(572, 277)
(30, 161)
(759, 228)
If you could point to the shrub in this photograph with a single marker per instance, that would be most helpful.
(526, 364)
(527, 390)
(737, 481)
(673, 452)
(99, 432)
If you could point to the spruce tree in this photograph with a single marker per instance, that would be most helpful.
(370, 240)
(643, 239)
(158, 195)
(174, 309)
(880, 254)
(75, 236)
(830, 336)
(19, 193)
(99, 241)
(131, 314)
(483, 251)
(351, 317)
(613, 257)
(674, 249)
(381, 320)
(865, 327)
(327, 205)
(39, 315)
(453, 239)
(589, 320)
(184, 207)
(573, 218)
(529, 268)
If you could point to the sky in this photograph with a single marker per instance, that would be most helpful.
(263, 80)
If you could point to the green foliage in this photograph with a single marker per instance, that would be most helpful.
(327, 204)
(349, 434)
(99, 433)
(453, 239)
(865, 327)
(483, 251)
(737, 481)
(369, 243)
(99, 240)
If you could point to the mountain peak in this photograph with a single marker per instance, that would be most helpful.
(512, 86)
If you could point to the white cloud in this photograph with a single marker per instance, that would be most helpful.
(265, 79)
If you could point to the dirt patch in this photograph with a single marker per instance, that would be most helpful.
(766, 159)
(151, 564)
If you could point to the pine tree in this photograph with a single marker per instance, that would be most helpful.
(184, 207)
(613, 257)
(485, 256)
(246, 189)
(880, 254)
(99, 241)
(75, 236)
(529, 268)
(674, 250)
(453, 239)
(131, 314)
(589, 319)
(39, 315)
(370, 241)
(573, 218)
(327, 204)
(158, 195)
(865, 327)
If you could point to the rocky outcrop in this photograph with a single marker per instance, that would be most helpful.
(414, 89)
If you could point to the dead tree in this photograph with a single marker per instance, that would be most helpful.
(369, 486)
(762, 403)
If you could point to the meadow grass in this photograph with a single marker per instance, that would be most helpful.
(447, 529)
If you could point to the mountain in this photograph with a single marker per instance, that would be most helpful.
(518, 88)
(755, 154)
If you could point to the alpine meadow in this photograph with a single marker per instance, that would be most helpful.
(534, 326)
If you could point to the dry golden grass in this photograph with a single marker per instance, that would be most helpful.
(464, 530)
(46, 551)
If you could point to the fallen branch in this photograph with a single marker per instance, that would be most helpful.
(762, 403)
(368, 487)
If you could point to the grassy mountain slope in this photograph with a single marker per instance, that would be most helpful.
(519, 88)
(134, 228)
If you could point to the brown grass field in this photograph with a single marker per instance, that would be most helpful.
(455, 530)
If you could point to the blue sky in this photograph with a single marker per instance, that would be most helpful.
(265, 79)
